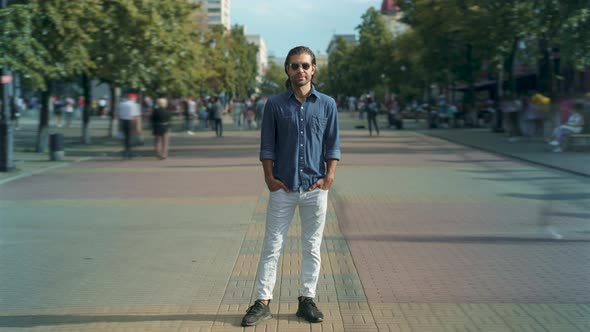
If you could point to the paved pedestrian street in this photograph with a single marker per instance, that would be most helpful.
(422, 235)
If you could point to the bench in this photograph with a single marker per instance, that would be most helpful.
(577, 142)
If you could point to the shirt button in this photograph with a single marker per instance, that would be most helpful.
(301, 119)
(301, 133)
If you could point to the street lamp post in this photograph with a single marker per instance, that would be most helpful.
(6, 130)
(499, 125)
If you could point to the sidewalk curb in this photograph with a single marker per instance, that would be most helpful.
(504, 154)
(43, 170)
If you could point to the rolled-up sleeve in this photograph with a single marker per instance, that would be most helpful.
(268, 133)
(332, 134)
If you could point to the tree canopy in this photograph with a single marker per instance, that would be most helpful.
(161, 47)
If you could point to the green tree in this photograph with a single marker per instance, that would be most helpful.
(374, 52)
(343, 75)
(58, 26)
(25, 55)
(243, 54)
(148, 46)
(273, 82)
(409, 76)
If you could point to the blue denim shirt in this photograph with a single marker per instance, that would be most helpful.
(300, 138)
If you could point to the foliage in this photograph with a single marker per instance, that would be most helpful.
(374, 52)
(273, 82)
(148, 45)
(231, 61)
(243, 54)
(454, 41)
(50, 42)
(342, 76)
(160, 47)
(18, 49)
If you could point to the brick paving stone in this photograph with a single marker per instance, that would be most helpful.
(402, 277)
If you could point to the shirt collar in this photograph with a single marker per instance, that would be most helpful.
(314, 92)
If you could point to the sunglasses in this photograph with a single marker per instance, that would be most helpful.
(295, 66)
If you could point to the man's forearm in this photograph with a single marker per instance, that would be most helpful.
(267, 167)
(331, 167)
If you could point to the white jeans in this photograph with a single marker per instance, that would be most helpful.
(281, 208)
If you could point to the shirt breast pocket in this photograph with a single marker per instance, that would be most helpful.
(319, 124)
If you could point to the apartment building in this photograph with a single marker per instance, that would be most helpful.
(218, 11)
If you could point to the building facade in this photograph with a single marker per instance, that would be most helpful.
(349, 38)
(217, 12)
(261, 56)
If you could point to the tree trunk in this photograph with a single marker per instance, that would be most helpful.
(545, 68)
(86, 86)
(113, 124)
(577, 81)
(510, 66)
(470, 96)
(499, 128)
(43, 128)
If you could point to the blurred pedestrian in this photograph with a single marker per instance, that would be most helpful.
(210, 113)
(14, 111)
(128, 112)
(236, 107)
(361, 105)
(57, 110)
(351, 104)
(160, 119)
(69, 111)
(217, 112)
(102, 106)
(574, 125)
(511, 106)
(147, 104)
(137, 122)
(298, 170)
(203, 114)
(192, 115)
(371, 109)
(80, 104)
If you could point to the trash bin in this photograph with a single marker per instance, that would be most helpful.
(56, 147)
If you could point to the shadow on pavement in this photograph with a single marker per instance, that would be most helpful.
(585, 216)
(31, 321)
(527, 179)
(494, 240)
(552, 197)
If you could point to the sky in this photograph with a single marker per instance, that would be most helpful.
(284, 24)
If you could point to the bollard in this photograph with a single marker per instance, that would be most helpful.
(56, 150)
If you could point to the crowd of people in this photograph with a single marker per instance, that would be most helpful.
(523, 116)
(206, 113)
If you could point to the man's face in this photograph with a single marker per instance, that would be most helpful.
(297, 72)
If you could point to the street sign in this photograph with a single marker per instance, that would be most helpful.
(5, 79)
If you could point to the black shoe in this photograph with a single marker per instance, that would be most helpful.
(257, 313)
(309, 311)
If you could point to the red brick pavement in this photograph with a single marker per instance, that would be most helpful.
(432, 222)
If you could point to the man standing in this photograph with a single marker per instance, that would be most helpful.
(128, 113)
(299, 151)
(371, 106)
(217, 112)
(192, 114)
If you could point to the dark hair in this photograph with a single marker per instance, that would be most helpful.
(578, 105)
(297, 51)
